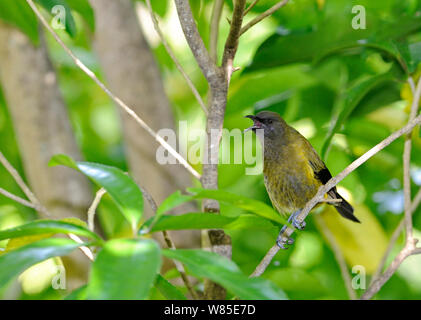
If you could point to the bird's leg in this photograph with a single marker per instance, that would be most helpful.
(281, 241)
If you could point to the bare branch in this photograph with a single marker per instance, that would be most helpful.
(24, 202)
(35, 203)
(170, 245)
(113, 97)
(231, 44)
(251, 6)
(264, 15)
(265, 261)
(338, 256)
(16, 176)
(195, 42)
(86, 251)
(92, 208)
(407, 165)
(174, 58)
(214, 29)
(378, 284)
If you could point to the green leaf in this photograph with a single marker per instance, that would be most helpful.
(252, 205)
(202, 220)
(124, 269)
(167, 289)
(226, 273)
(350, 101)
(16, 261)
(47, 226)
(122, 189)
(85, 10)
(69, 22)
(332, 35)
(20, 15)
(172, 201)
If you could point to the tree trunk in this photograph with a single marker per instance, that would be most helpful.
(43, 129)
(133, 75)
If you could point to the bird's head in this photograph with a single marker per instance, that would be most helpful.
(271, 122)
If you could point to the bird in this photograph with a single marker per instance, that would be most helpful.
(293, 171)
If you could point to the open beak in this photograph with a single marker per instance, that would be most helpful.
(256, 123)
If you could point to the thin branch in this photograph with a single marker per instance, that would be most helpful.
(24, 202)
(264, 15)
(231, 44)
(18, 179)
(335, 180)
(113, 97)
(407, 166)
(174, 58)
(170, 245)
(409, 207)
(251, 6)
(265, 261)
(35, 203)
(214, 29)
(92, 208)
(195, 42)
(395, 235)
(378, 284)
(86, 251)
(338, 256)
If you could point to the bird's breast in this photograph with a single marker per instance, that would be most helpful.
(290, 183)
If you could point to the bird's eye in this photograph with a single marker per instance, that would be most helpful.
(269, 121)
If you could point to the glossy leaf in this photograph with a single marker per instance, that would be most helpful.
(47, 227)
(124, 269)
(167, 289)
(361, 244)
(330, 36)
(85, 10)
(16, 261)
(122, 189)
(225, 272)
(251, 205)
(172, 201)
(202, 220)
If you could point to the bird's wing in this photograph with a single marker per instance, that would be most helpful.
(321, 172)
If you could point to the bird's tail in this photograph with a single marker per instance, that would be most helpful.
(345, 209)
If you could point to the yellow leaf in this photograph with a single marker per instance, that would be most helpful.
(75, 221)
(361, 243)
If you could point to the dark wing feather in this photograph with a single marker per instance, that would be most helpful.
(323, 175)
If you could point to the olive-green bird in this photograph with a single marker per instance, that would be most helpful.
(292, 170)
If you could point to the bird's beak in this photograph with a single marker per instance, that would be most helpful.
(256, 124)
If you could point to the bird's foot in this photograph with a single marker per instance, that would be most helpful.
(283, 242)
(300, 225)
